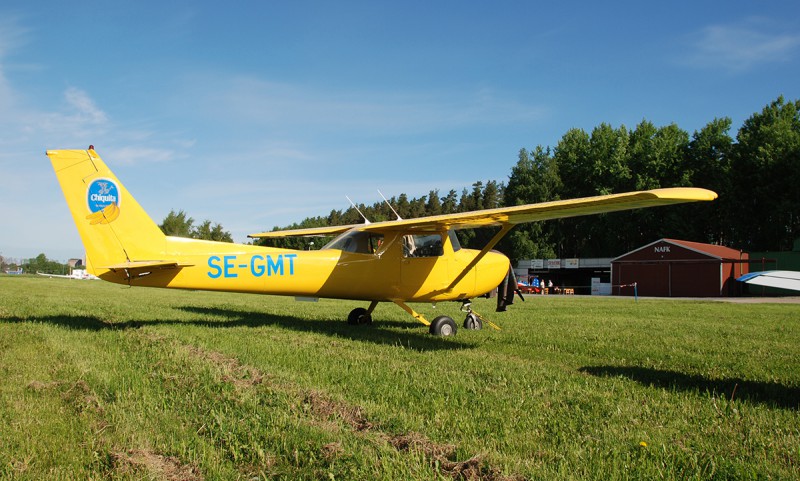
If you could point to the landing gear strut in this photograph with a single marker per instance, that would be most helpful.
(359, 315)
(472, 321)
(443, 326)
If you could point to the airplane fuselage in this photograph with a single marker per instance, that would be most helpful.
(384, 272)
(411, 260)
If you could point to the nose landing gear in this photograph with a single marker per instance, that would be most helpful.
(473, 320)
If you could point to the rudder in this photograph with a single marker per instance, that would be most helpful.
(112, 225)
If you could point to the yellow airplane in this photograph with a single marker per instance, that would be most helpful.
(399, 261)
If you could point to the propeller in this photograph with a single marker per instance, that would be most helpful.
(507, 289)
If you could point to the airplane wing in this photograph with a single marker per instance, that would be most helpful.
(332, 230)
(781, 279)
(52, 275)
(509, 216)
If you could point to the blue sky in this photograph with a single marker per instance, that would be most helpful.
(256, 114)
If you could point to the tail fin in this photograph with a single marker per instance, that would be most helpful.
(113, 226)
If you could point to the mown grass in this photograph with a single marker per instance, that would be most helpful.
(99, 381)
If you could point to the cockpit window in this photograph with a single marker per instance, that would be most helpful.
(357, 241)
(429, 245)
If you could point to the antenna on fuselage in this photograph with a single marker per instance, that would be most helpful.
(366, 221)
(390, 205)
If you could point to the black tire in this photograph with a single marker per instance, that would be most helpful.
(473, 322)
(359, 315)
(443, 326)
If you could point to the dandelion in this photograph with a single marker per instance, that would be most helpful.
(643, 444)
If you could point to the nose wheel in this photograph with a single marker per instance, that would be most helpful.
(473, 321)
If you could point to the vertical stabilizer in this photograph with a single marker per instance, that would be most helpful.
(113, 226)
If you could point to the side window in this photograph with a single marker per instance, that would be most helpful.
(375, 243)
(422, 245)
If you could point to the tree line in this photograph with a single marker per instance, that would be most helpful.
(756, 174)
(179, 224)
(39, 263)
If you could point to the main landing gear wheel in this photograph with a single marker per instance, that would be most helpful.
(473, 322)
(359, 315)
(443, 326)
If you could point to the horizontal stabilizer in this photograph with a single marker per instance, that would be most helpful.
(144, 265)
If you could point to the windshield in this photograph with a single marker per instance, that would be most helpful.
(357, 241)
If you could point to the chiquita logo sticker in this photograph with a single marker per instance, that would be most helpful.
(102, 198)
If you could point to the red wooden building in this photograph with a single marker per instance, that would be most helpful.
(677, 268)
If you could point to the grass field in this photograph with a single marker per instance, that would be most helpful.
(99, 381)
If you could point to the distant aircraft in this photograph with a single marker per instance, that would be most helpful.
(399, 261)
(782, 279)
(15, 272)
(80, 274)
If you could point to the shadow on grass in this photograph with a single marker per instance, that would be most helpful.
(758, 392)
(378, 333)
(78, 323)
(418, 338)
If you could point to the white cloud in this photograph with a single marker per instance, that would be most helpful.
(252, 100)
(137, 155)
(741, 47)
(12, 35)
(83, 107)
(77, 120)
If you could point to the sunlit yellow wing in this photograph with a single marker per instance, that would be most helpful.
(564, 208)
(524, 213)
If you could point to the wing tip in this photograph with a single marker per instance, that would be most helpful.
(685, 193)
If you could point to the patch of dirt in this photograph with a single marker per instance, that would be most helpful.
(440, 455)
(157, 466)
(39, 386)
(19, 466)
(416, 442)
(332, 450)
(78, 394)
(234, 372)
(83, 397)
(475, 469)
(324, 407)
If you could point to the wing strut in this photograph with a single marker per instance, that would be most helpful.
(503, 231)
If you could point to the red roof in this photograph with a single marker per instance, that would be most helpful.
(705, 250)
(721, 252)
